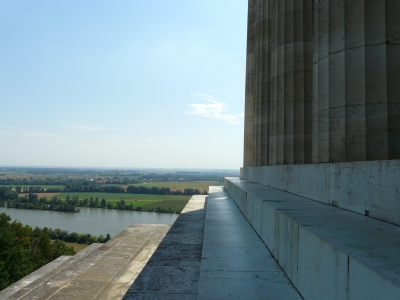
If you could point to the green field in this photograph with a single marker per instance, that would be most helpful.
(124, 196)
(181, 185)
(175, 202)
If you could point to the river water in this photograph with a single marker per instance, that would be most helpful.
(95, 221)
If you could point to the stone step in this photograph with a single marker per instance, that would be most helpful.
(327, 252)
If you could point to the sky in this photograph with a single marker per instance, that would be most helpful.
(122, 84)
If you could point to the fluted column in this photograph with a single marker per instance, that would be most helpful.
(249, 93)
(392, 13)
(273, 23)
(322, 82)
(355, 141)
(337, 76)
(265, 82)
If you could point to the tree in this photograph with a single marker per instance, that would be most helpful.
(18, 189)
(103, 203)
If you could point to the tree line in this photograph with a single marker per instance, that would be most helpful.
(32, 201)
(73, 237)
(24, 250)
(87, 187)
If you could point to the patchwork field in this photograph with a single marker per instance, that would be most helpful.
(181, 185)
(146, 201)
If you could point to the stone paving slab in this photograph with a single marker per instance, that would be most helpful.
(174, 269)
(235, 263)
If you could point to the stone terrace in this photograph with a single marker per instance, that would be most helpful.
(217, 249)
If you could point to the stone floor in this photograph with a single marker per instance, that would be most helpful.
(235, 262)
(210, 252)
(173, 271)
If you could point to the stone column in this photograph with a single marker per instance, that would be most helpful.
(288, 81)
(322, 82)
(355, 141)
(273, 75)
(376, 81)
(280, 109)
(265, 82)
(250, 70)
(393, 75)
(337, 95)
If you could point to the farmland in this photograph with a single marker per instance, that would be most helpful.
(169, 190)
(181, 185)
(146, 201)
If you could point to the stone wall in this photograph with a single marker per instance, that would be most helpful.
(322, 81)
(368, 188)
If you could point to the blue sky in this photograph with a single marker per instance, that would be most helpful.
(134, 84)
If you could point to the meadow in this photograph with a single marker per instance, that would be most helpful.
(146, 201)
(181, 185)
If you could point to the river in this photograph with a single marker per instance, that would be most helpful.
(95, 221)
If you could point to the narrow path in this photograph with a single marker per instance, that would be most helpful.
(235, 263)
(174, 269)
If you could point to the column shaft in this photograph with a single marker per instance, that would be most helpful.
(337, 96)
(355, 141)
(323, 81)
(393, 76)
(280, 119)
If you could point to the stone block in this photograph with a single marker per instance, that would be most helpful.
(322, 269)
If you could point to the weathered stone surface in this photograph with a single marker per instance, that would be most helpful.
(235, 263)
(327, 252)
(321, 82)
(174, 269)
(362, 187)
(101, 271)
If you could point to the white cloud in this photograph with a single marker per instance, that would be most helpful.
(213, 109)
(149, 141)
(85, 127)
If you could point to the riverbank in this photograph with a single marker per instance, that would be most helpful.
(96, 221)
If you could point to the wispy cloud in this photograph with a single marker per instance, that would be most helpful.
(149, 141)
(85, 127)
(213, 109)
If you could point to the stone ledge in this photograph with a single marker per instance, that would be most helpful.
(327, 252)
(101, 271)
(368, 187)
